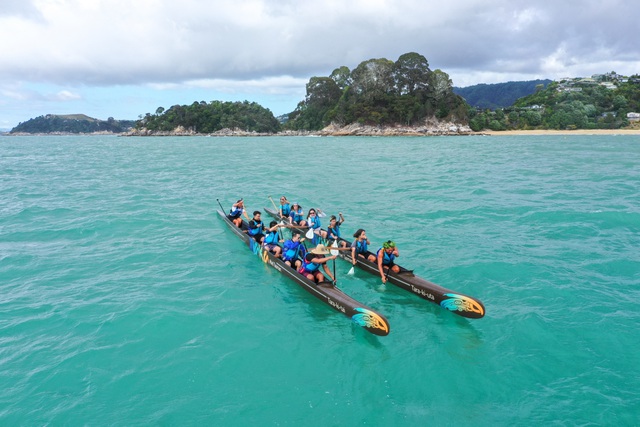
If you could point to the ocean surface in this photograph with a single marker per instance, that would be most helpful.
(126, 301)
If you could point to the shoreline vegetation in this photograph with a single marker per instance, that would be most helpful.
(443, 129)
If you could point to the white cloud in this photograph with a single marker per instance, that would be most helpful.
(65, 95)
(270, 46)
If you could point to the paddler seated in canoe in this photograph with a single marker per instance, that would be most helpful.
(314, 222)
(360, 247)
(256, 227)
(294, 250)
(333, 230)
(311, 264)
(297, 215)
(237, 210)
(272, 239)
(285, 208)
(386, 254)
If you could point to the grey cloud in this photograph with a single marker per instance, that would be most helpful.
(213, 40)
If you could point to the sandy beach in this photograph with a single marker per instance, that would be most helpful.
(633, 131)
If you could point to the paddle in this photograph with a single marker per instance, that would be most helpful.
(274, 205)
(351, 271)
(217, 200)
(334, 252)
(334, 248)
(309, 234)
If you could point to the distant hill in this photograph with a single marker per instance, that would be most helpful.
(498, 95)
(72, 123)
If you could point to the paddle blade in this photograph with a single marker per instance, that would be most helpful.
(351, 272)
(309, 234)
(334, 245)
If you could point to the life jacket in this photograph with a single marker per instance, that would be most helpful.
(257, 228)
(286, 209)
(335, 231)
(296, 215)
(235, 212)
(291, 250)
(314, 222)
(309, 266)
(271, 238)
(361, 247)
(386, 259)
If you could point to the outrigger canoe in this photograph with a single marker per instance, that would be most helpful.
(462, 305)
(326, 292)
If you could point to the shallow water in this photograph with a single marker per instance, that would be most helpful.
(124, 300)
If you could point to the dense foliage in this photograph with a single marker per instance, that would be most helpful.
(499, 95)
(78, 123)
(576, 104)
(379, 92)
(202, 117)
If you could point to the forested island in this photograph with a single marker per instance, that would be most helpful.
(384, 97)
(377, 93)
(72, 123)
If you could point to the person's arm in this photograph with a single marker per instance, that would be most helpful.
(341, 218)
(323, 260)
(380, 257)
(331, 234)
(328, 272)
(244, 212)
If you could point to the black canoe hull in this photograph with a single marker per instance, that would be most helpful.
(362, 315)
(460, 304)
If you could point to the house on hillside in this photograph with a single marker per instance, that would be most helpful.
(633, 117)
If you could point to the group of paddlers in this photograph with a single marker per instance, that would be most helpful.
(293, 251)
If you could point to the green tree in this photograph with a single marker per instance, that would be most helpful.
(411, 72)
(342, 77)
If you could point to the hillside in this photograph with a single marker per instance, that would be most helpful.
(379, 92)
(499, 95)
(72, 123)
(604, 101)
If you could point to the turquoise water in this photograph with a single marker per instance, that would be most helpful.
(124, 300)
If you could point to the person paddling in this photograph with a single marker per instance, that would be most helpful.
(256, 227)
(237, 210)
(272, 239)
(294, 250)
(297, 215)
(314, 222)
(360, 247)
(285, 207)
(333, 230)
(313, 260)
(386, 255)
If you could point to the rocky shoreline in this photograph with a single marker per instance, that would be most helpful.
(429, 128)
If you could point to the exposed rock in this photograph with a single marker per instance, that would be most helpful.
(430, 127)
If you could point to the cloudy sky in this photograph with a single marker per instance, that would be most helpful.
(125, 58)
